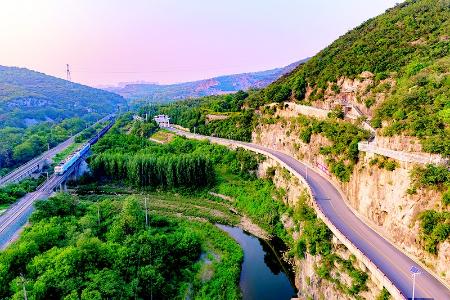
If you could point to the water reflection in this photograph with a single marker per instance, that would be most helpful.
(262, 275)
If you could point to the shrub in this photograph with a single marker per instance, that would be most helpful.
(337, 113)
(336, 88)
(435, 228)
(277, 93)
(369, 102)
(305, 135)
(390, 165)
(446, 197)
(431, 175)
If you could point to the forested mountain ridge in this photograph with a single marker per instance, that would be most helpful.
(395, 66)
(28, 97)
(213, 86)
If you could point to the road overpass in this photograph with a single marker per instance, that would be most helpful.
(387, 263)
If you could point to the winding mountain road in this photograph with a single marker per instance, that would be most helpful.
(393, 263)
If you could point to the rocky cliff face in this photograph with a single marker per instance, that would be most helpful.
(307, 281)
(379, 196)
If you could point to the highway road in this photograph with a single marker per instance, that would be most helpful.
(391, 261)
(31, 166)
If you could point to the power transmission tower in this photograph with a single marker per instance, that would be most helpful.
(69, 78)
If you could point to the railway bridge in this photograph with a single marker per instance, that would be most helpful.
(12, 221)
(38, 163)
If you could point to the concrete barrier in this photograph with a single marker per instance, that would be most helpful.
(402, 156)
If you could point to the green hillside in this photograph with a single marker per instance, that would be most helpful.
(28, 97)
(410, 44)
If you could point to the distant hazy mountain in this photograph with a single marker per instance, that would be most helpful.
(28, 97)
(213, 86)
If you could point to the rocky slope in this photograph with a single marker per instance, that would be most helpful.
(379, 196)
(307, 280)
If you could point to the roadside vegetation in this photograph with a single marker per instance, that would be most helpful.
(434, 225)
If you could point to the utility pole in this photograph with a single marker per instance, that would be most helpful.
(69, 78)
(146, 212)
(414, 272)
(151, 278)
(24, 288)
(98, 214)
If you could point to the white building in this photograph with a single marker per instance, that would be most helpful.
(138, 118)
(162, 120)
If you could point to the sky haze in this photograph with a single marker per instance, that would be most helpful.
(166, 41)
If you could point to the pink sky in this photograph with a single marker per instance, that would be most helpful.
(166, 41)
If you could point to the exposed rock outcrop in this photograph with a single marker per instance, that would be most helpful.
(307, 281)
(379, 196)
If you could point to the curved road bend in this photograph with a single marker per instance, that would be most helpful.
(391, 261)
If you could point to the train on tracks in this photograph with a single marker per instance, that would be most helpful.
(63, 166)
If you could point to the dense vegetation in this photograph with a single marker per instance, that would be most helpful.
(198, 115)
(434, 225)
(167, 170)
(342, 154)
(79, 249)
(28, 97)
(412, 31)
(420, 106)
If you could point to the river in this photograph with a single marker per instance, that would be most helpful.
(262, 275)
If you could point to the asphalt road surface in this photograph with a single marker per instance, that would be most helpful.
(391, 261)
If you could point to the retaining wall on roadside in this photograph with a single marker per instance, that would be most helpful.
(401, 155)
